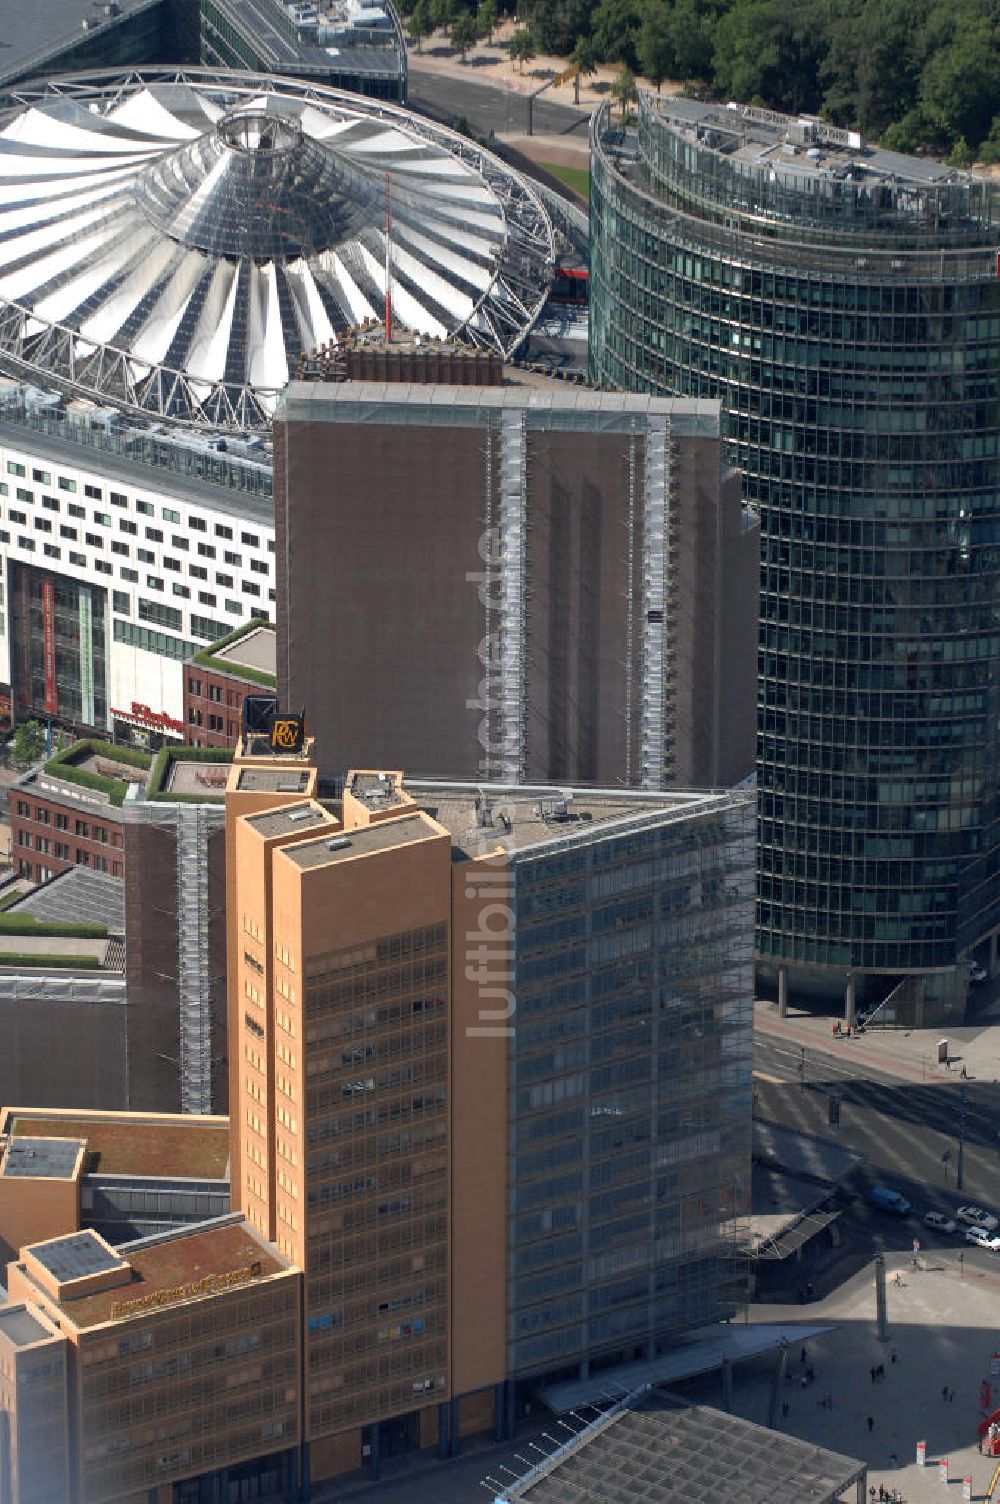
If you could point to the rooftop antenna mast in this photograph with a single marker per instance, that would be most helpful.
(388, 264)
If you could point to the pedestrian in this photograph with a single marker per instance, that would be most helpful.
(944, 1392)
(892, 1459)
(809, 1291)
(871, 1422)
(894, 1358)
(803, 1355)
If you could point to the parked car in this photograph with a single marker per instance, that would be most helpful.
(940, 1222)
(982, 1239)
(977, 1216)
(978, 973)
(888, 1200)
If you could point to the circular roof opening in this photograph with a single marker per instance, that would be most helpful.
(260, 132)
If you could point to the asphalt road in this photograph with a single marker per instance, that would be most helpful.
(906, 1135)
(487, 108)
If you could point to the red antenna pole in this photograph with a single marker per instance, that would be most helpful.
(388, 265)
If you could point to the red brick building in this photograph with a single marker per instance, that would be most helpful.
(58, 823)
(218, 679)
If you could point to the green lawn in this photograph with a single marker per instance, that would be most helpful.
(577, 178)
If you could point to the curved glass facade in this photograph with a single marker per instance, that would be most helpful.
(843, 305)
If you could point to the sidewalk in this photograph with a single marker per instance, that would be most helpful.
(490, 63)
(910, 1054)
(942, 1331)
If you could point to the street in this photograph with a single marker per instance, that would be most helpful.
(487, 108)
(907, 1135)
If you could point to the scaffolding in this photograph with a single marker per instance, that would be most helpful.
(513, 555)
(194, 983)
(654, 758)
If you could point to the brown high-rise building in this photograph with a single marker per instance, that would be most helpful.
(515, 581)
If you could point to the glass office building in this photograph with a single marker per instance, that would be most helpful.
(630, 1084)
(843, 304)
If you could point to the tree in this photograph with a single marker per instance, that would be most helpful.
(522, 47)
(623, 88)
(655, 46)
(616, 30)
(960, 85)
(27, 744)
(421, 22)
(486, 19)
(584, 55)
(463, 32)
(443, 12)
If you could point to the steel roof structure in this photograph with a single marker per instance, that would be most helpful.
(172, 240)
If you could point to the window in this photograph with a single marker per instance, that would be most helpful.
(154, 582)
(221, 531)
(152, 641)
(270, 545)
(154, 534)
(234, 608)
(94, 492)
(129, 575)
(181, 590)
(145, 556)
(250, 539)
(121, 601)
(102, 566)
(145, 508)
(103, 519)
(197, 524)
(259, 566)
(125, 526)
(174, 564)
(52, 551)
(118, 498)
(94, 539)
(13, 468)
(169, 515)
(41, 524)
(249, 588)
(81, 828)
(50, 503)
(224, 579)
(67, 532)
(17, 516)
(207, 598)
(207, 550)
(194, 685)
(23, 495)
(235, 559)
(161, 614)
(198, 572)
(178, 542)
(65, 484)
(80, 560)
(28, 544)
(74, 510)
(117, 547)
(205, 627)
(42, 476)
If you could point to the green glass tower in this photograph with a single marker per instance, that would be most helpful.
(843, 304)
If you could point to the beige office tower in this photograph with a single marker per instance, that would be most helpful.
(489, 1083)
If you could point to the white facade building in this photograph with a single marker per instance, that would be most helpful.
(179, 560)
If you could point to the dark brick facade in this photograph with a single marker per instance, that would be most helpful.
(49, 835)
(213, 705)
